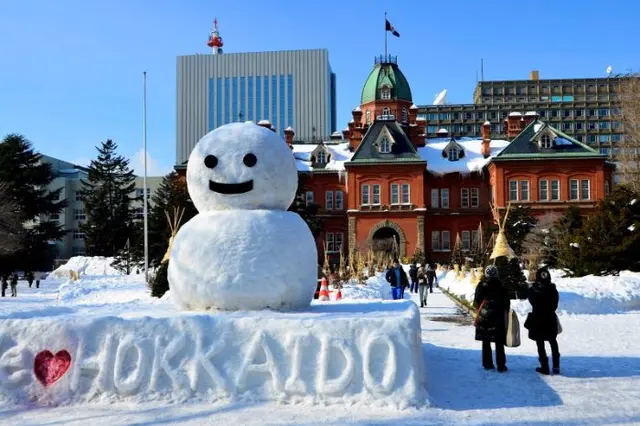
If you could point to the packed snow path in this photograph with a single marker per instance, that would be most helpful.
(599, 385)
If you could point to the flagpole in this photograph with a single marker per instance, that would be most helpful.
(144, 179)
(385, 35)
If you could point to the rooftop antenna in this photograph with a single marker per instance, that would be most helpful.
(609, 71)
(481, 69)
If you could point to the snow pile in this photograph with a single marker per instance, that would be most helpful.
(376, 288)
(338, 153)
(86, 265)
(473, 160)
(99, 291)
(463, 288)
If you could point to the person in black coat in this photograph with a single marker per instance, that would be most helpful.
(397, 277)
(492, 303)
(413, 274)
(542, 322)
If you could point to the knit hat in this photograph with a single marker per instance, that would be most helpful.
(543, 275)
(491, 271)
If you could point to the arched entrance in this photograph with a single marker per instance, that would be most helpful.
(383, 235)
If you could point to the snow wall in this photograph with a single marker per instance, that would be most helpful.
(369, 353)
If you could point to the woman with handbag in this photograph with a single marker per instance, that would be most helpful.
(542, 322)
(492, 303)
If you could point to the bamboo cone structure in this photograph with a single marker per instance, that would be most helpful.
(501, 246)
(174, 224)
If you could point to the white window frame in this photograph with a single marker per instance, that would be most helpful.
(546, 142)
(78, 235)
(475, 197)
(543, 190)
(474, 238)
(524, 188)
(338, 241)
(385, 145)
(79, 214)
(395, 193)
(453, 154)
(339, 204)
(577, 190)
(308, 198)
(435, 241)
(464, 197)
(365, 194)
(557, 182)
(367, 115)
(329, 242)
(405, 115)
(385, 93)
(78, 196)
(444, 196)
(405, 189)
(322, 157)
(435, 198)
(447, 240)
(466, 240)
(386, 111)
(374, 195)
(513, 191)
(328, 200)
(588, 181)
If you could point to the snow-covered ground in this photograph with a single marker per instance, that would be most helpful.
(599, 385)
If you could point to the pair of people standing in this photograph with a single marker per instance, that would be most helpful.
(492, 303)
(14, 285)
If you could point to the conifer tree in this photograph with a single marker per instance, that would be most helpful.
(26, 178)
(512, 277)
(519, 222)
(307, 212)
(171, 194)
(107, 194)
(457, 257)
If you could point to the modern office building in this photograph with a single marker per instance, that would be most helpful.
(294, 88)
(584, 108)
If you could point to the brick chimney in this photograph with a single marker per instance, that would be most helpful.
(345, 133)
(265, 124)
(413, 114)
(336, 136)
(485, 131)
(355, 131)
(357, 116)
(530, 117)
(514, 124)
(420, 125)
(442, 133)
(289, 133)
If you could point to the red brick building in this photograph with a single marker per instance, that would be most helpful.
(381, 178)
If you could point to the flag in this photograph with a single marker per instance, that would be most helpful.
(389, 27)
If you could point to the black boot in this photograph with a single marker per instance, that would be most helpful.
(556, 364)
(544, 366)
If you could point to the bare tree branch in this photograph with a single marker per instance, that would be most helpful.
(628, 156)
(10, 223)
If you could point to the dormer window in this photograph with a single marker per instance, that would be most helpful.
(405, 115)
(386, 111)
(385, 146)
(453, 154)
(322, 157)
(546, 142)
(367, 115)
(385, 93)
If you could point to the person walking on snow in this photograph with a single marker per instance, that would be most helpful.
(14, 285)
(422, 285)
(397, 277)
(492, 302)
(29, 277)
(431, 277)
(542, 321)
(5, 285)
(413, 274)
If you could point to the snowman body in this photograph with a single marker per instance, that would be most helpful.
(243, 251)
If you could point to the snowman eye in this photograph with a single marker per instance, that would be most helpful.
(249, 160)
(210, 161)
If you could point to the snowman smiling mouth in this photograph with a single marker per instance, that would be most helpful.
(231, 188)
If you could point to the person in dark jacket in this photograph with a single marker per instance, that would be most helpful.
(29, 276)
(492, 302)
(431, 277)
(397, 277)
(14, 285)
(5, 285)
(542, 322)
(413, 274)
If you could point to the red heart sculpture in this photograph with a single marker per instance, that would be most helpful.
(49, 368)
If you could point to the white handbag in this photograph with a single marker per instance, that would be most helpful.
(513, 330)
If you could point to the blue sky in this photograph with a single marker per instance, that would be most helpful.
(71, 70)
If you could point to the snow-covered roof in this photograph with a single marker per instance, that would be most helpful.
(473, 160)
(264, 122)
(339, 153)
(442, 130)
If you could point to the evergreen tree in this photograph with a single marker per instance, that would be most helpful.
(307, 212)
(519, 222)
(26, 179)
(512, 277)
(131, 257)
(171, 194)
(107, 196)
(457, 257)
(561, 241)
(418, 257)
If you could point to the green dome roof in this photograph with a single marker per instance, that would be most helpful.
(386, 73)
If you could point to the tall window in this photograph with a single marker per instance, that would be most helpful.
(464, 197)
(322, 157)
(446, 241)
(365, 194)
(606, 188)
(555, 190)
(281, 122)
(545, 141)
(309, 197)
(585, 192)
(453, 154)
(544, 190)
(385, 93)
(367, 116)
(513, 190)
(338, 240)
(573, 189)
(474, 238)
(376, 194)
(466, 240)
(258, 112)
(405, 115)
(435, 198)
(435, 241)
(265, 101)
(77, 235)
(339, 200)
(243, 97)
(475, 197)
(329, 242)
(406, 196)
(328, 200)
(385, 146)
(386, 111)
(524, 190)
(395, 193)
(80, 214)
(79, 195)
(444, 198)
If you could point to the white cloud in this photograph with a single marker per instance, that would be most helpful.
(153, 167)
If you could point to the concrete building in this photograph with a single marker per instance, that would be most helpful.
(584, 108)
(294, 88)
(153, 182)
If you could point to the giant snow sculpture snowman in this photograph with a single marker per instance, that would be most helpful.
(244, 250)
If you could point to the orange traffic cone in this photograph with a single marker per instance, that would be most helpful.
(324, 290)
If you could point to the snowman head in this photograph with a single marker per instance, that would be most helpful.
(241, 166)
